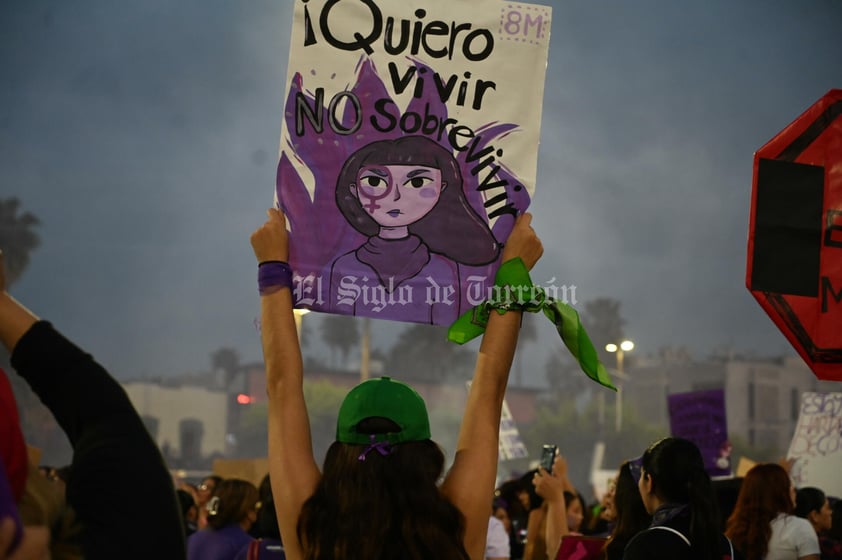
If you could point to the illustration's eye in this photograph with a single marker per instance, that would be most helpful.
(374, 181)
(418, 182)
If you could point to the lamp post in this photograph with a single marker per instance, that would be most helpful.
(624, 346)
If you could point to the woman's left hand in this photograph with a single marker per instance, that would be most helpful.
(271, 241)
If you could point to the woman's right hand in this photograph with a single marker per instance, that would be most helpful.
(271, 241)
(523, 242)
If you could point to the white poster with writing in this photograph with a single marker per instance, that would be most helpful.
(816, 446)
(409, 145)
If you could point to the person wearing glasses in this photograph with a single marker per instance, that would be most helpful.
(232, 510)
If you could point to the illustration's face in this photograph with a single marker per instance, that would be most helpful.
(398, 195)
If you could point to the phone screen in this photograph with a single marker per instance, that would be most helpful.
(548, 456)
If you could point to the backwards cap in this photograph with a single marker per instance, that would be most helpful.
(384, 398)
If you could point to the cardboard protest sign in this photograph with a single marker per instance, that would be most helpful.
(510, 445)
(816, 446)
(700, 417)
(252, 470)
(409, 144)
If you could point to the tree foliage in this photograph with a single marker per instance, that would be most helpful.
(423, 352)
(17, 237)
(340, 333)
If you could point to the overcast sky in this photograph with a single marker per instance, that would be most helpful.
(144, 136)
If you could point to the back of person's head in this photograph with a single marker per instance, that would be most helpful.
(678, 475)
(233, 501)
(765, 493)
(378, 496)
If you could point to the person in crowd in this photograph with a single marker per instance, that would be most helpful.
(204, 492)
(189, 511)
(549, 518)
(497, 539)
(575, 512)
(601, 517)
(110, 443)
(831, 545)
(377, 496)
(267, 544)
(500, 510)
(676, 490)
(231, 512)
(812, 505)
(626, 508)
(516, 498)
(762, 526)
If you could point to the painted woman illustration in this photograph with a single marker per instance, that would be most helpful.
(407, 196)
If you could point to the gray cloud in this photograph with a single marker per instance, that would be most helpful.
(144, 136)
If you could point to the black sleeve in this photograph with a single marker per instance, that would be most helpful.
(119, 485)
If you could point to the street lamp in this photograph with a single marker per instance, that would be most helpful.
(624, 346)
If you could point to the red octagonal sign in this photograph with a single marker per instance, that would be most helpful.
(795, 234)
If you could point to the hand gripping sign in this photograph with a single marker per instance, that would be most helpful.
(795, 234)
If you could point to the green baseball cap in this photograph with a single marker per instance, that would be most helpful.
(383, 398)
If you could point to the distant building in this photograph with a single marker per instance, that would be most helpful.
(187, 422)
(762, 396)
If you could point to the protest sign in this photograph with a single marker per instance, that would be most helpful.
(408, 146)
(816, 447)
(252, 470)
(511, 445)
(700, 417)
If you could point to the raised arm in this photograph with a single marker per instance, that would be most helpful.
(551, 487)
(16, 319)
(470, 481)
(110, 443)
(292, 467)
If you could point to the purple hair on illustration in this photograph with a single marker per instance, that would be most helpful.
(452, 228)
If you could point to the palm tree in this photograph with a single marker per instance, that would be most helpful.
(17, 237)
(423, 352)
(604, 323)
(340, 333)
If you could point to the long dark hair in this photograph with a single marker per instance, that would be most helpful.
(631, 515)
(679, 477)
(452, 228)
(381, 508)
(764, 494)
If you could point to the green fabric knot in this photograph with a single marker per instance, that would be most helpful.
(513, 290)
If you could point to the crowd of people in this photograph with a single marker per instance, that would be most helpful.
(382, 492)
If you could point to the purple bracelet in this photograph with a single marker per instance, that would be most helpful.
(272, 276)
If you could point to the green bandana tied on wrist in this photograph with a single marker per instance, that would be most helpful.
(513, 289)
